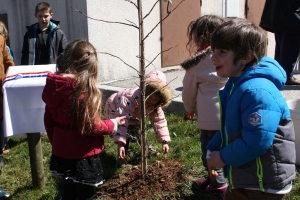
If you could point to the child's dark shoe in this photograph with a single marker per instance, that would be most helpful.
(201, 184)
(217, 192)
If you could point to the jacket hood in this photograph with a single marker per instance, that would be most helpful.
(157, 80)
(201, 66)
(54, 25)
(266, 68)
(195, 59)
(58, 89)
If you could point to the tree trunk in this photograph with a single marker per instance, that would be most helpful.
(142, 88)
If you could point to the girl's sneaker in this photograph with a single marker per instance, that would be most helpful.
(201, 184)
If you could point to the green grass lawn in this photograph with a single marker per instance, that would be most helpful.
(16, 177)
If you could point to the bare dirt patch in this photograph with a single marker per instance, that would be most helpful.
(161, 179)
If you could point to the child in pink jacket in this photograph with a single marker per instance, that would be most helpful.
(200, 87)
(127, 103)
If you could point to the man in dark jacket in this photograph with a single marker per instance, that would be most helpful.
(282, 17)
(44, 40)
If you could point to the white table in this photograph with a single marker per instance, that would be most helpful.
(23, 105)
(24, 111)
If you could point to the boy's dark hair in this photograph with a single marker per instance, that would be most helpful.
(200, 30)
(42, 6)
(240, 36)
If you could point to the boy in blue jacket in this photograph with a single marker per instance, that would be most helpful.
(255, 144)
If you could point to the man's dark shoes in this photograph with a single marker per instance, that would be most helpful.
(292, 81)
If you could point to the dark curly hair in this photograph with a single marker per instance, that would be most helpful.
(199, 30)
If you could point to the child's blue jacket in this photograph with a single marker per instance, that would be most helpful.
(256, 139)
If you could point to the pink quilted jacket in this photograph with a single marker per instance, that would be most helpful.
(127, 103)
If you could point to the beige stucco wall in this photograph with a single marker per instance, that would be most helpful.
(121, 40)
(116, 39)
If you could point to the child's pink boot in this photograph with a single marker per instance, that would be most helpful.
(201, 184)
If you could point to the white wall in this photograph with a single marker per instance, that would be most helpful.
(121, 40)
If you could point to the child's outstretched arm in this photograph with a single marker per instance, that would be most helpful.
(118, 121)
(106, 127)
(160, 126)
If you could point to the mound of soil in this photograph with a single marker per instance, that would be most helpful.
(161, 178)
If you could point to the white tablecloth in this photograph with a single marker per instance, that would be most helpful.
(22, 99)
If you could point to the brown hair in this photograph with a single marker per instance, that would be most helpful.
(42, 6)
(240, 36)
(80, 59)
(3, 30)
(200, 30)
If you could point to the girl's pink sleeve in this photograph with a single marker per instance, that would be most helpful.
(160, 126)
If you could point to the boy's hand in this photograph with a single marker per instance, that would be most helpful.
(212, 173)
(189, 116)
(214, 160)
(165, 148)
(121, 151)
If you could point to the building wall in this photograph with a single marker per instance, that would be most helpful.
(21, 14)
(119, 40)
(122, 40)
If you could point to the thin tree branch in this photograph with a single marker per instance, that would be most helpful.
(162, 20)
(110, 22)
(131, 22)
(159, 54)
(119, 59)
(151, 9)
(147, 61)
(132, 3)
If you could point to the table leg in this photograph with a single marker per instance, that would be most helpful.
(36, 159)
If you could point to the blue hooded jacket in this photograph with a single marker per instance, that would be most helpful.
(250, 141)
